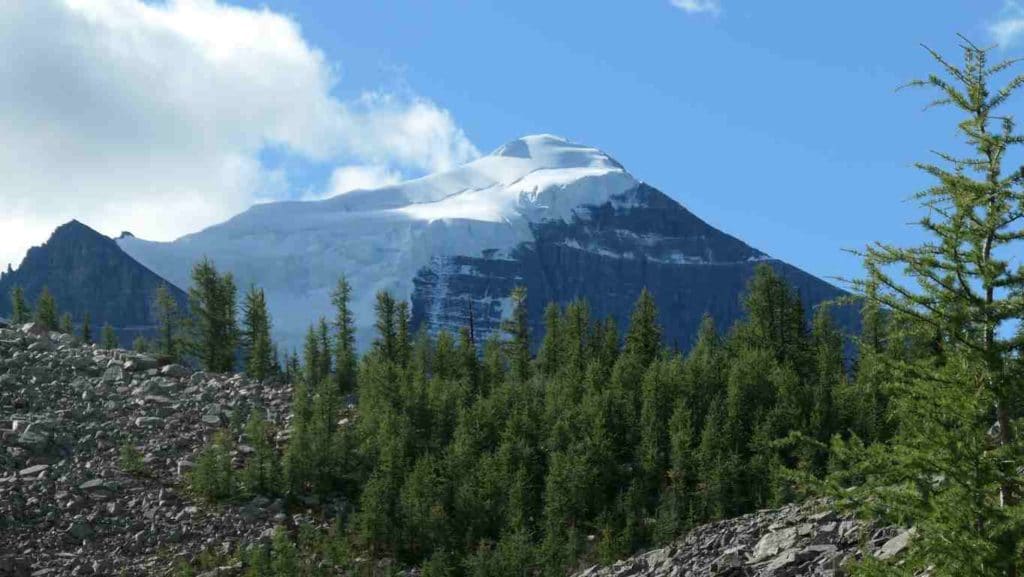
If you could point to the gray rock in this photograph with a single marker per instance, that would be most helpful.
(896, 545)
(80, 531)
(33, 470)
(175, 371)
(149, 422)
(114, 375)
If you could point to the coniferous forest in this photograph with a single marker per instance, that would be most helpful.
(540, 454)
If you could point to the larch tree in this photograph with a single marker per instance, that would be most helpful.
(46, 310)
(344, 337)
(20, 312)
(953, 464)
(214, 328)
(257, 348)
(165, 309)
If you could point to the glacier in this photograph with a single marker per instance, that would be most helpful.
(380, 239)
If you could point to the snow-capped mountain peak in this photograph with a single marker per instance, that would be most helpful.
(563, 219)
(536, 178)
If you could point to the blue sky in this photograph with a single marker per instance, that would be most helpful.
(775, 121)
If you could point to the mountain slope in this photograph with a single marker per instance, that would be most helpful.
(563, 219)
(88, 272)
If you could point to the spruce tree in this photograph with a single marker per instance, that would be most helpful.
(344, 337)
(46, 310)
(165, 309)
(20, 312)
(953, 465)
(212, 306)
(86, 329)
(255, 336)
(66, 325)
(518, 330)
(644, 337)
(108, 337)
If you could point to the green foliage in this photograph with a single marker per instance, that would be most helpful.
(257, 347)
(345, 337)
(108, 337)
(214, 331)
(46, 310)
(165, 310)
(20, 312)
(500, 464)
(66, 325)
(213, 477)
(130, 459)
(951, 463)
(140, 344)
(86, 329)
(262, 472)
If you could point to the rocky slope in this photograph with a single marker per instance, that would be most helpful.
(88, 273)
(806, 541)
(67, 506)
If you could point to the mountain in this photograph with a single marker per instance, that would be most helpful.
(88, 272)
(562, 219)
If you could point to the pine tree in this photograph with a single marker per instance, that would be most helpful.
(46, 310)
(518, 330)
(387, 332)
(255, 336)
(20, 312)
(165, 309)
(344, 338)
(108, 337)
(311, 363)
(213, 478)
(323, 335)
(214, 329)
(86, 329)
(947, 467)
(644, 337)
(140, 344)
(66, 325)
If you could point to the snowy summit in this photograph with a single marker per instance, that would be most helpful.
(380, 238)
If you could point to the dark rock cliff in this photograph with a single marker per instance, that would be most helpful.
(607, 255)
(87, 272)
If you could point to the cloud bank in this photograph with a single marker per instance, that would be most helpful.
(152, 117)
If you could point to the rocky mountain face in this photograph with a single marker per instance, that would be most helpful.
(607, 255)
(67, 504)
(89, 273)
(563, 219)
(808, 540)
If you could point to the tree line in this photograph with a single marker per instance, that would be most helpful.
(479, 459)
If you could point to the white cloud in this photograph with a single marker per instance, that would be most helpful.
(1010, 26)
(357, 177)
(698, 6)
(151, 117)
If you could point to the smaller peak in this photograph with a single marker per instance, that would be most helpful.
(74, 227)
(125, 234)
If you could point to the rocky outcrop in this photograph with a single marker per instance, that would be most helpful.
(89, 273)
(607, 255)
(810, 540)
(68, 506)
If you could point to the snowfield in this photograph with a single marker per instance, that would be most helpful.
(380, 238)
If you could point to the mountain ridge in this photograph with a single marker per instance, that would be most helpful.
(533, 205)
